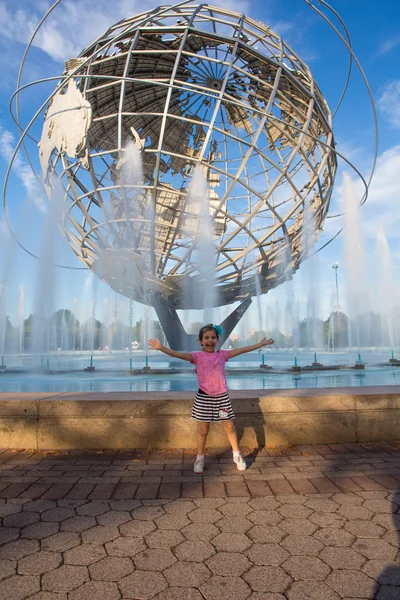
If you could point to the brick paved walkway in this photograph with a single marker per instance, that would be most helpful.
(304, 523)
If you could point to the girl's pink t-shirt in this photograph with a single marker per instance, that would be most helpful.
(210, 371)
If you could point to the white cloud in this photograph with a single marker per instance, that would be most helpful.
(388, 45)
(389, 103)
(21, 169)
(75, 24)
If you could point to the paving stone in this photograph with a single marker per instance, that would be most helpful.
(19, 548)
(235, 509)
(385, 521)
(200, 531)
(137, 528)
(205, 515)
(322, 505)
(342, 558)
(125, 546)
(375, 548)
(166, 538)
(187, 574)
(142, 584)
(334, 537)
(96, 589)
(194, 550)
(352, 584)
(78, 524)
(265, 534)
(267, 579)
(294, 511)
(111, 568)
(298, 526)
(231, 542)
(148, 513)
(265, 517)
(64, 579)
(7, 568)
(48, 596)
(8, 534)
(41, 505)
(347, 499)
(364, 529)
(306, 568)
(352, 513)
(228, 563)
(270, 503)
(9, 509)
(114, 518)
(311, 590)
(19, 587)
(39, 563)
(60, 542)
(100, 535)
(267, 596)
(124, 505)
(302, 545)
(92, 509)
(328, 520)
(225, 588)
(173, 521)
(210, 502)
(234, 524)
(267, 554)
(58, 514)
(39, 531)
(179, 507)
(21, 519)
(154, 559)
(380, 506)
(174, 593)
(84, 555)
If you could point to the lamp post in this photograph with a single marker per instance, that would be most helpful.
(336, 266)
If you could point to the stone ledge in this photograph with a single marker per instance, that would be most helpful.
(264, 417)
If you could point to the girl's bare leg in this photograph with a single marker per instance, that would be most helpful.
(230, 430)
(202, 433)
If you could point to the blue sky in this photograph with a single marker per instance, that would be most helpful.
(74, 24)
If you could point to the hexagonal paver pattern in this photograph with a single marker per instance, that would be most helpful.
(267, 554)
(137, 528)
(268, 579)
(334, 537)
(225, 588)
(114, 518)
(265, 517)
(174, 593)
(375, 548)
(302, 545)
(100, 535)
(154, 559)
(60, 542)
(179, 507)
(7, 568)
(84, 555)
(200, 531)
(364, 529)
(231, 542)
(39, 563)
(194, 550)
(351, 584)
(111, 568)
(142, 584)
(187, 574)
(228, 563)
(19, 587)
(294, 511)
(311, 590)
(165, 538)
(65, 579)
(342, 558)
(96, 589)
(306, 568)
(265, 533)
(19, 548)
(125, 546)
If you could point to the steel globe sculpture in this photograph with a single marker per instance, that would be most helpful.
(171, 108)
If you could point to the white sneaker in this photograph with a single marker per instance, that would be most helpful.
(240, 462)
(199, 465)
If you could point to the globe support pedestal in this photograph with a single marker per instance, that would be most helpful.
(176, 335)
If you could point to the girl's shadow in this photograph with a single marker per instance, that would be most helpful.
(251, 421)
(389, 578)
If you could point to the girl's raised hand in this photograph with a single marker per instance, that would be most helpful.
(265, 342)
(155, 344)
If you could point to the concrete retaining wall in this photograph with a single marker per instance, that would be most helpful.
(162, 420)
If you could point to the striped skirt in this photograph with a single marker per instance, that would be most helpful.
(212, 408)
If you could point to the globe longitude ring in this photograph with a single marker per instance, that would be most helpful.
(192, 145)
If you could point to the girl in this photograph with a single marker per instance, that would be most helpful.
(212, 401)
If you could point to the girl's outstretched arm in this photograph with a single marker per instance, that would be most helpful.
(238, 351)
(156, 345)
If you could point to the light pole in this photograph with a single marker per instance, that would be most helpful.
(336, 266)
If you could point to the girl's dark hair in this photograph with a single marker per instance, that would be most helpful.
(210, 327)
